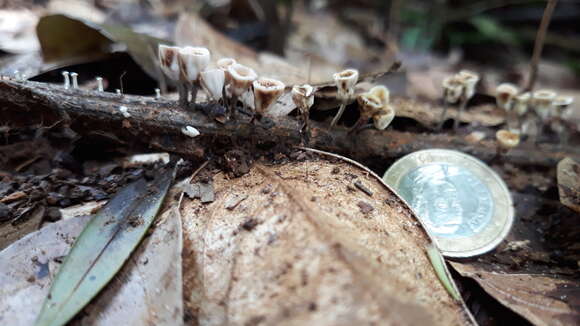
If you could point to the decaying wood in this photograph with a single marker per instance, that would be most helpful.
(158, 124)
(308, 248)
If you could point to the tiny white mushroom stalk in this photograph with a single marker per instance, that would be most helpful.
(303, 98)
(241, 81)
(505, 98)
(266, 92)
(192, 61)
(65, 75)
(345, 82)
(469, 81)
(452, 90)
(213, 81)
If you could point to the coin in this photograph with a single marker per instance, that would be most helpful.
(463, 204)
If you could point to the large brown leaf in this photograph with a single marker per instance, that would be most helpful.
(541, 299)
(317, 242)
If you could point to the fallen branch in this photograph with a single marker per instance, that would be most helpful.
(158, 124)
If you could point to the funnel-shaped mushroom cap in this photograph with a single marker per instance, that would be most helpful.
(504, 96)
(469, 79)
(213, 81)
(303, 96)
(266, 92)
(242, 78)
(168, 61)
(382, 93)
(452, 89)
(384, 118)
(369, 104)
(192, 61)
(543, 101)
(507, 139)
(345, 82)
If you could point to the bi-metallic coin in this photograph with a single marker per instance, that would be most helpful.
(464, 205)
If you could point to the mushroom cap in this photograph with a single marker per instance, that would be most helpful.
(452, 89)
(505, 94)
(168, 61)
(563, 101)
(303, 96)
(543, 101)
(382, 93)
(242, 78)
(383, 119)
(521, 102)
(266, 92)
(213, 81)
(507, 139)
(469, 80)
(345, 81)
(369, 104)
(192, 61)
(223, 64)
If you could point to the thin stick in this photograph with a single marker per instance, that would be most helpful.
(539, 43)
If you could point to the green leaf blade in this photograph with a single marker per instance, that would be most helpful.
(102, 249)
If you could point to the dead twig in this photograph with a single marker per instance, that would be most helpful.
(158, 124)
(539, 44)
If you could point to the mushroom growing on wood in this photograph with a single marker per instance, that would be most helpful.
(169, 65)
(375, 104)
(224, 64)
(303, 98)
(452, 90)
(213, 81)
(345, 82)
(266, 92)
(242, 78)
(192, 61)
(469, 80)
(506, 140)
(504, 97)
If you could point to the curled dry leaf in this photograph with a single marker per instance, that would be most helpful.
(541, 299)
(300, 250)
(152, 275)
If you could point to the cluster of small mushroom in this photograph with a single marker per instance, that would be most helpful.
(189, 68)
(458, 88)
(530, 113)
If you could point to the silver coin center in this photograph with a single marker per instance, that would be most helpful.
(450, 200)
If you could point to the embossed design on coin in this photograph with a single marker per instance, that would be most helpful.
(451, 200)
(461, 202)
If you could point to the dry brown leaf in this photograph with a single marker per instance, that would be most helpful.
(542, 299)
(147, 290)
(307, 247)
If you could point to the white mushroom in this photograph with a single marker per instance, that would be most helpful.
(266, 92)
(213, 81)
(345, 82)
